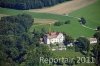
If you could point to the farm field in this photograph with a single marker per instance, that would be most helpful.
(90, 13)
(74, 29)
(66, 7)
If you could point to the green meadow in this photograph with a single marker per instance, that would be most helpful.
(33, 14)
(91, 13)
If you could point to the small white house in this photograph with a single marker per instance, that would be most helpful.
(53, 37)
(93, 40)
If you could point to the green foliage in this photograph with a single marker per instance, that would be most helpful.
(82, 21)
(96, 49)
(67, 22)
(58, 23)
(97, 35)
(33, 55)
(83, 44)
(17, 45)
(31, 4)
(15, 24)
(98, 28)
(68, 39)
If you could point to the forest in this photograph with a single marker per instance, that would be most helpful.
(28, 4)
(18, 47)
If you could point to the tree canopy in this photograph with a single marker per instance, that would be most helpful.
(18, 47)
(28, 4)
(83, 44)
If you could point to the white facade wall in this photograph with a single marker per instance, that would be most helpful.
(48, 41)
(93, 42)
(58, 39)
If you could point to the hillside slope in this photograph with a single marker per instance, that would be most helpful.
(66, 7)
(28, 4)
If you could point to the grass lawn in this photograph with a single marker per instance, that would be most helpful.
(67, 53)
(91, 13)
(74, 29)
(70, 53)
(86, 64)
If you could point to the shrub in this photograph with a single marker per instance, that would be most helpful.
(67, 22)
(98, 28)
(58, 23)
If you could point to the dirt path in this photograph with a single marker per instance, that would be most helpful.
(81, 25)
(88, 27)
(65, 7)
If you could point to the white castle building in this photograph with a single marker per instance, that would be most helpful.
(53, 37)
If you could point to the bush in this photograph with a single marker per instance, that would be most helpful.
(58, 23)
(98, 28)
(67, 22)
